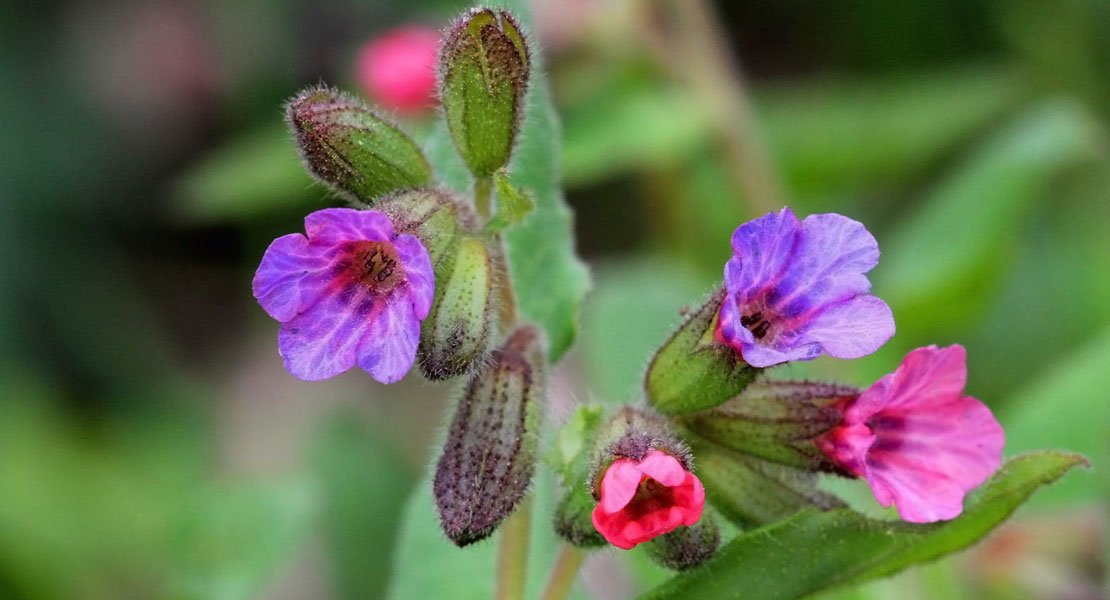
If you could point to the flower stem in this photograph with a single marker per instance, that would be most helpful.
(512, 553)
(563, 573)
(483, 196)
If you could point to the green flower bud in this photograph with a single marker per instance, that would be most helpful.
(775, 421)
(753, 492)
(456, 332)
(351, 149)
(490, 452)
(572, 519)
(687, 547)
(483, 69)
(690, 371)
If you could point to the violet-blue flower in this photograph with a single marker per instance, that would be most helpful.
(351, 291)
(796, 289)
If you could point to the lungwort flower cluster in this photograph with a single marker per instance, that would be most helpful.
(416, 273)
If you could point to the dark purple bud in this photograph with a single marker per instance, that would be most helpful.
(490, 452)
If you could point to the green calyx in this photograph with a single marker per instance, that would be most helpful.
(690, 371)
(484, 69)
(457, 331)
(776, 421)
(687, 547)
(351, 149)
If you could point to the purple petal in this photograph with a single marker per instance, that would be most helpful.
(292, 275)
(389, 350)
(418, 273)
(337, 225)
(850, 329)
(829, 262)
(758, 355)
(322, 341)
(761, 251)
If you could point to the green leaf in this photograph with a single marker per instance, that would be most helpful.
(814, 551)
(549, 279)
(513, 204)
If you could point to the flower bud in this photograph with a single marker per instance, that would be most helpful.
(490, 452)
(351, 149)
(483, 68)
(775, 420)
(642, 480)
(687, 547)
(753, 492)
(456, 333)
(690, 371)
(573, 517)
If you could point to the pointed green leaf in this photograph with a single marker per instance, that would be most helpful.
(814, 551)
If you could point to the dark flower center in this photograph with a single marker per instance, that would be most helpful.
(650, 497)
(376, 266)
(756, 324)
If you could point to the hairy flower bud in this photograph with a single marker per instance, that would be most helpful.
(457, 332)
(775, 421)
(692, 372)
(642, 480)
(570, 459)
(490, 453)
(351, 149)
(483, 67)
(687, 547)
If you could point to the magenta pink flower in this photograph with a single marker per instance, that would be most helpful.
(797, 289)
(917, 439)
(397, 69)
(351, 292)
(641, 500)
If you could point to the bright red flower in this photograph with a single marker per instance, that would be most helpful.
(397, 69)
(644, 499)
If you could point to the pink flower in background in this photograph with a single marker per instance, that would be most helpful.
(797, 289)
(645, 499)
(917, 439)
(397, 69)
(351, 292)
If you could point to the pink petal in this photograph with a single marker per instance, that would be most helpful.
(619, 485)
(663, 468)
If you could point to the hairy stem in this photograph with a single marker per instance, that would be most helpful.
(483, 196)
(512, 553)
(563, 573)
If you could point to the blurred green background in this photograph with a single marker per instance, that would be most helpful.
(152, 446)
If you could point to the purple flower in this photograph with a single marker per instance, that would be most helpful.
(351, 292)
(797, 289)
(917, 439)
